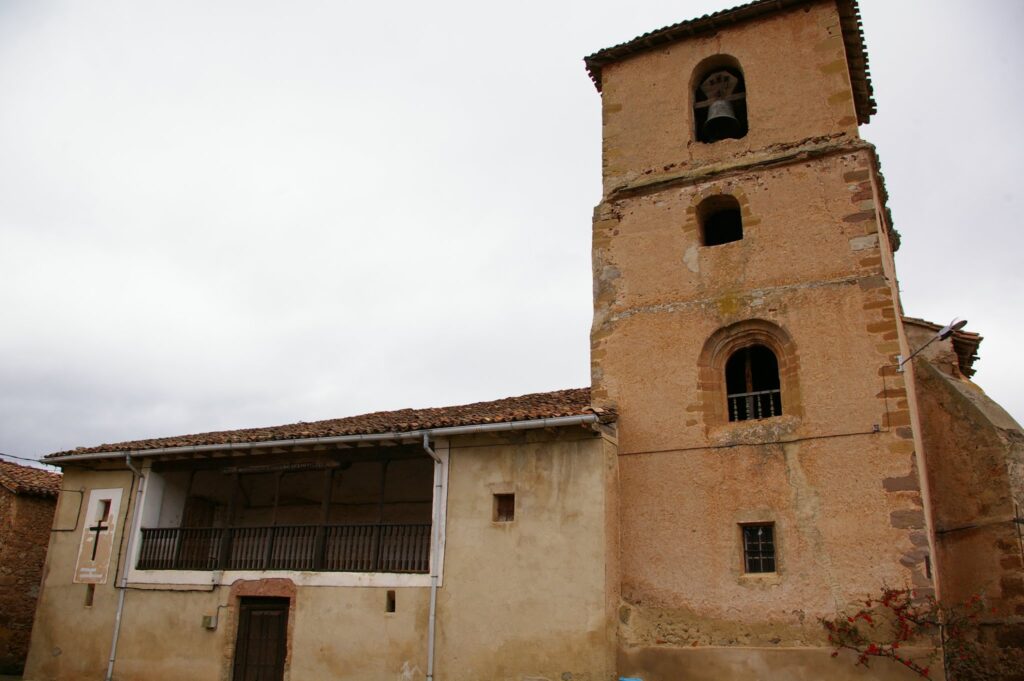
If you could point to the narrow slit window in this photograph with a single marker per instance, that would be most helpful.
(752, 384)
(104, 509)
(90, 593)
(720, 220)
(759, 548)
(389, 604)
(504, 508)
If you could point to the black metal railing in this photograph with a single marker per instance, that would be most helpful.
(371, 547)
(756, 405)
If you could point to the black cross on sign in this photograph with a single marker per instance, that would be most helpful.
(100, 527)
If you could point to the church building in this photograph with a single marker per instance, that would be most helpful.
(767, 440)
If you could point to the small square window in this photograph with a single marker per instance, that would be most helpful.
(759, 547)
(504, 508)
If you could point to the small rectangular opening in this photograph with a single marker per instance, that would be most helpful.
(389, 606)
(504, 508)
(104, 509)
(90, 591)
(758, 547)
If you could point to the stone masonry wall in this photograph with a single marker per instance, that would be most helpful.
(973, 450)
(24, 535)
(812, 280)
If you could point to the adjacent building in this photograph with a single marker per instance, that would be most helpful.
(28, 497)
(762, 445)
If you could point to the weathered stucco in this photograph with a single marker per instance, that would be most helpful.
(625, 555)
(493, 620)
(527, 599)
(812, 280)
(793, 94)
(975, 454)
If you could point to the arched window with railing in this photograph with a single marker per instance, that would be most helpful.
(752, 384)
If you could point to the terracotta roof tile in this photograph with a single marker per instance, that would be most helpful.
(523, 408)
(965, 344)
(853, 38)
(26, 480)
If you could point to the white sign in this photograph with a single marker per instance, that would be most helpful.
(98, 535)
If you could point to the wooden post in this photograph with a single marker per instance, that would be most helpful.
(380, 515)
(383, 488)
(325, 511)
(268, 543)
(183, 523)
(225, 538)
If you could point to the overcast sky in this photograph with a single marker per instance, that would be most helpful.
(227, 214)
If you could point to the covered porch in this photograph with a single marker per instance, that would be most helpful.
(362, 510)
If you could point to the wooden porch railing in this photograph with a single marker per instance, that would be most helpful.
(371, 547)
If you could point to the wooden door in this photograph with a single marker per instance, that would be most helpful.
(262, 639)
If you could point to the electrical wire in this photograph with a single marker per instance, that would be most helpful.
(25, 458)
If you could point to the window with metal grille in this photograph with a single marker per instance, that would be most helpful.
(504, 508)
(759, 547)
(752, 384)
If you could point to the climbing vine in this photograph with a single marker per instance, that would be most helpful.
(885, 626)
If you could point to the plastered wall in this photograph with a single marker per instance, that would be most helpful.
(526, 599)
(71, 640)
(797, 82)
(974, 451)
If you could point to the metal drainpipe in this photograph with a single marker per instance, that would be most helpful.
(123, 585)
(435, 556)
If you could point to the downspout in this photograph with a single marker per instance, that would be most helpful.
(435, 555)
(123, 581)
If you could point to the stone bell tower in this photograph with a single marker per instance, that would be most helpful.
(746, 331)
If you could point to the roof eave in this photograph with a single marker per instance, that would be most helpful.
(412, 435)
(19, 489)
(853, 40)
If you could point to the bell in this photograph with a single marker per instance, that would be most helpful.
(721, 122)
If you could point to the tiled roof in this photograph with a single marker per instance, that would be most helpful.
(523, 408)
(965, 344)
(25, 480)
(853, 38)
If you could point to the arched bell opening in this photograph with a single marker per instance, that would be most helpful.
(719, 100)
